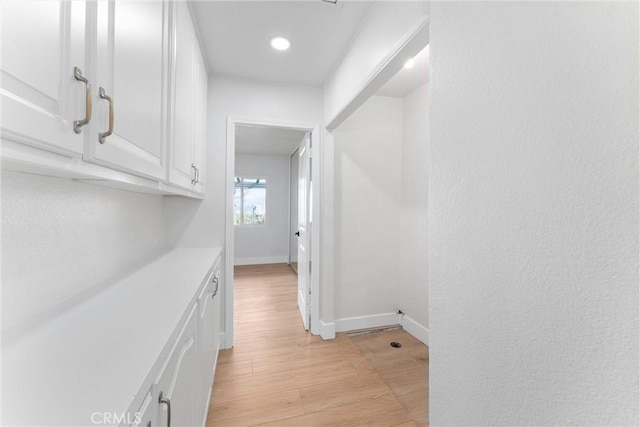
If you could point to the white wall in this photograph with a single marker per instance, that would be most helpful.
(61, 238)
(204, 224)
(328, 242)
(367, 164)
(413, 266)
(384, 30)
(269, 243)
(385, 26)
(380, 214)
(533, 214)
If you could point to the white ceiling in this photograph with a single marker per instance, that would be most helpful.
(236, 37)
(269, 141)
(408, 79)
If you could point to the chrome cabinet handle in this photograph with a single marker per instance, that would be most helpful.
(167, 402)
(77, 124)
(196, 174)
(215, 291)
(103, 135)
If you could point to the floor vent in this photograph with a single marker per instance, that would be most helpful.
(372, 330)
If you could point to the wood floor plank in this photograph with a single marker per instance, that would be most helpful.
(275, 382)
(381, 411)
(231, 370)
(278, 374)
(321, 397)
(257, 409)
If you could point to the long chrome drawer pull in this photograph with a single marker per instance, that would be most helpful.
(77, 124)
(168, 403)
(103, 135)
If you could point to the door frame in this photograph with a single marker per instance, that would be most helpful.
(228, 338)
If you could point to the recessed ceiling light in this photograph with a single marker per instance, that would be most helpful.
(410, 63)
(280, 43)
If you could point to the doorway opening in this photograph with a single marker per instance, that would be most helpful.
(266, 223)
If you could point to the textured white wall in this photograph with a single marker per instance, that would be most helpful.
(367, 163)
(413, 267)
(533, 214)
(269, 242)
(61, 238)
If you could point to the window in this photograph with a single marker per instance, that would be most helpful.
(249, 201)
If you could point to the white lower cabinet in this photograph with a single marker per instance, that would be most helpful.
(175, 385)
(182, 385)
(144, 416)
(208, 339)
(142, 347)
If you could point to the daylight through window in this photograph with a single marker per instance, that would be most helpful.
(249, 201)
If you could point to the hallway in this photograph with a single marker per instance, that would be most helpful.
(279, 374)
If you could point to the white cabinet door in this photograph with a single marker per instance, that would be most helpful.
(176, 384)
(200, 140)
(189, 105)
(209, 332)
(144, 416)
(182, 171)
(42, 42)
(132, 68)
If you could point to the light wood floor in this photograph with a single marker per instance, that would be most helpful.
(278, 374)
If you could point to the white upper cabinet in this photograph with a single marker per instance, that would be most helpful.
(131, 71)
(42, 42)
(189, 96)
(120, 83)
(200, 141)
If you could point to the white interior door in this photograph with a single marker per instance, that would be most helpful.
(293, 213)
(304, 235)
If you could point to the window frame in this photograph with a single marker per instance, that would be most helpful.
(266, 199)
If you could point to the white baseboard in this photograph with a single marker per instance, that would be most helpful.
(376, 321)
(415, 329)
(365, 322)
(261, 260)
(327, 330)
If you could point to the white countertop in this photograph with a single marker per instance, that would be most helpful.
(95, 356)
